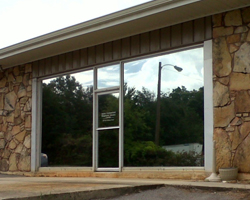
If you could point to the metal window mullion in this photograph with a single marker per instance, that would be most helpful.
(94, 134)
(107, 128)
(121, 136)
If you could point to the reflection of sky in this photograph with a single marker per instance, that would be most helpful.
(144, 73)
(108, 76)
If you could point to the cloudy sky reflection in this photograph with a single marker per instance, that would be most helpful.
(144, 72)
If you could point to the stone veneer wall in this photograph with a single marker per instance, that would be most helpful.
(15, 118)
(231, 74)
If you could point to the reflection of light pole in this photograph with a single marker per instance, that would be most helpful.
(158, 111)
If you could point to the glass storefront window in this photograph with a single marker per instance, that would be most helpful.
(173, 134)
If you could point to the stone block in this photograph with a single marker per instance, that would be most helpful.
(19, 79)
(4, 165)
(1, 101)
(248, 36)
(217, 20)
(27, 107)
(220, 94)
(245, 114)
(24, 163)
(241, 29)
(10, 117)
(3, 82)
(6, 153)
(28, 68)
(23, 100)
(223, 154)
(16, 130)
(223, 115)
(242, 59)
(20, 136)
(1, 135)
(16, 71)
(221, 57)
(239, 81)
(26, 79)
(21, 92)
(19, 148)
(246, 119)
(233, 38)
(12, 144)
(2, 143)
(236, 121)
(28, 121)
(246, 15)
(18, 120)
(242, 155)
(242, 102)
(17, 112)
(224, 80)
(13, 162)
(233, 18)
(233, 48)
(11, 77)
(222, 31)
(27, 141)
(10, 101)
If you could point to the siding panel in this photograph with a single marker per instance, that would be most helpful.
(108, 54)
(135, 45)
(176, 39)
(167, 38)
(154, 40)
(187, 33)
(144, 43)
(126, 47)
(199, 32)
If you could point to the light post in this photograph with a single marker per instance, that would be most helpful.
(158, 106)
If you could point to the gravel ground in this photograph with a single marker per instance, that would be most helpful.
(187, 193)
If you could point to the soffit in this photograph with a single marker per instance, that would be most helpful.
(135, 20)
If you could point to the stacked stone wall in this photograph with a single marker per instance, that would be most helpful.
(15, 118)
(231, 88)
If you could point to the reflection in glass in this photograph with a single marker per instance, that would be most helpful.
(108, 76)
(108, 148)
(108, 112)
(67, 119)
(181, 110)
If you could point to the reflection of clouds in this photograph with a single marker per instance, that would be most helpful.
(108, 76)
(146, 73)
(85, 78)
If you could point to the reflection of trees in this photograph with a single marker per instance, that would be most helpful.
(67, 124)
(181, 122)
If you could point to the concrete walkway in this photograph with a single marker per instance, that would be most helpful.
(19, 187)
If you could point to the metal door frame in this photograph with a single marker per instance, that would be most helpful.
(96, 92)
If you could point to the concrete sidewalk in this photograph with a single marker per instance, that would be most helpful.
(19, 187)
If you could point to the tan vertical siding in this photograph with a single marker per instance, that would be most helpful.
(163, 39)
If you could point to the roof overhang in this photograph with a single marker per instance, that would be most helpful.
(142, 18)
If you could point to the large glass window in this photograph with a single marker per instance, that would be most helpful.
(67, 119)
(163, 110)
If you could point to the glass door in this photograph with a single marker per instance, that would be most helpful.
(107, 114)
